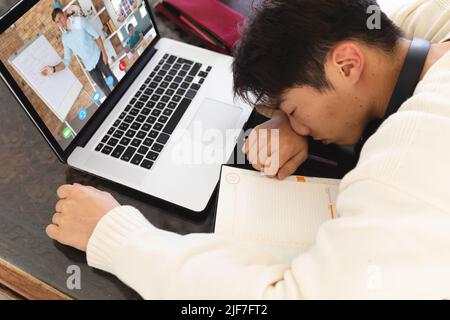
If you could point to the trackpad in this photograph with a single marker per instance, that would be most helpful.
(217, 115)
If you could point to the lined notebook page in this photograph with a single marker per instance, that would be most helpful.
(280, 214)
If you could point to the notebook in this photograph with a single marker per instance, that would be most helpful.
(284, 216)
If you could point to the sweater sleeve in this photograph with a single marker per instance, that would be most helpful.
(427, 19)
(370, 254)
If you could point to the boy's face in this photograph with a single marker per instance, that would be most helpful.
(332, 116)
(340, 114)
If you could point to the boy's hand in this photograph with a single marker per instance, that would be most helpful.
(276, 156)
(77, 214)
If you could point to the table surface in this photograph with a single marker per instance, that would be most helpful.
(33, 265)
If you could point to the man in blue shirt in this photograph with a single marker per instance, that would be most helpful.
(81, 38)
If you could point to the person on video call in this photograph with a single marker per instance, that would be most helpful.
(135, 37)
(81, 38)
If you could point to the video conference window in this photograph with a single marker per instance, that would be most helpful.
(67, 56)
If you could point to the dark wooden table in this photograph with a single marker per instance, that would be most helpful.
(33, 266)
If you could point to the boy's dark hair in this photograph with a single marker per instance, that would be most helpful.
(130, 26)
(55, 12)
(286, 44)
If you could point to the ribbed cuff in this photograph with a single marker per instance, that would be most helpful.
(111, 233)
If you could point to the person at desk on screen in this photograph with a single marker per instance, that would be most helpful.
(135, 37)
(81, 38)
(332, 75)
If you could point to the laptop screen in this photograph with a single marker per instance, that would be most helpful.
(67, 57)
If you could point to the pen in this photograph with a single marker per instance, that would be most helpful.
(323, 160)
(330, 204)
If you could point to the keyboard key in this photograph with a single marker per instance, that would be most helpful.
(203, 74)
(153, 85)
(133, 101)
(171, 59)
(143, 87)
(148, 92)
(137, 159)
(152, 156)
(128, 154)
(105, 138)
(151, 120)
(113, 142)
(160, 105)
(172, 105)
(148, 142)
(176, 66)
(135, 126)
(189, 79)
(158, 126)
(165, 99)
(201, 80)
(162, 73)
(156, 113)
(181, 61)
(208, 69)
(134, 112)
(130, 133)
(195, 86)
(128, 119)
(191, 94)
(155, 97)
(173, 72)
(181, 92)
(122, 115)
(141, 134)
(167, 112)
(116, 123)
(185, 85)
(99, 147)
(118, 151)
(176, 98)
(178, 80)
(150, 104)
(163, 119)
(107, 149)
(177, 115)
(195, 70)
(164, 84)
(141, 118)
(143, 150)
(118, 134)
(144, 98)
(145, 111)
(182, 73)
(166, 67)
(124, 126)
(163, 138)
(153, 134)
(159, 91)
(170, 92)
(111, 130)
(157, 147)
(125, 141)
(139, 104)
(168, 78)
(174, 86)
(147, 164)
(146, 127)
(166, 56)
(136, 142)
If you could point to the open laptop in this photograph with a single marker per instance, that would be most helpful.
(166, 126)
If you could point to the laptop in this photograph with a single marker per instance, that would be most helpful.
(167, 120)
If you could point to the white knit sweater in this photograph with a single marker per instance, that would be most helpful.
(393, 240)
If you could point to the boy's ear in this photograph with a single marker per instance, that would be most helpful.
(347, 59)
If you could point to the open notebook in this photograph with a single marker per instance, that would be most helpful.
(284, 216)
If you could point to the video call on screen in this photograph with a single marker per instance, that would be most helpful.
(68, 56)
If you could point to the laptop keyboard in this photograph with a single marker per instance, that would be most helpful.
(140, 132)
